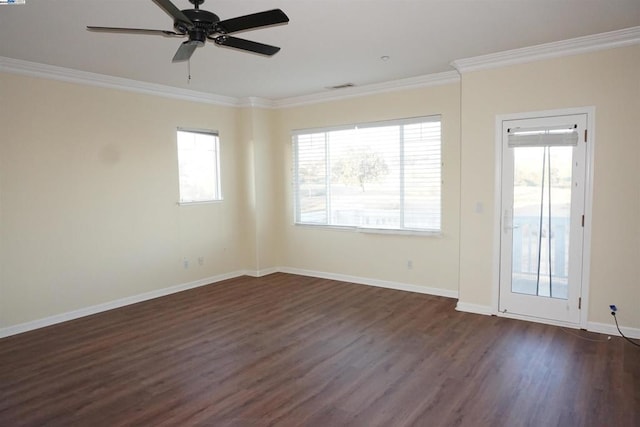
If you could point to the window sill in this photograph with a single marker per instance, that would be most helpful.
(367, 230)
(207, 202)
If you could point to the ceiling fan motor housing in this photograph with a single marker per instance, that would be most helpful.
(204, 23)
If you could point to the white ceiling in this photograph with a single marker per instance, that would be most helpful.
(326, 43)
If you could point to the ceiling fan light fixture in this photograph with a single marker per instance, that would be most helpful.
(197, 37)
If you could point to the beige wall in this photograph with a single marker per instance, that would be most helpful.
(609, 81)
(88, 188)
(248, 209)
(264, 193)
(268, 169)
(377, 256)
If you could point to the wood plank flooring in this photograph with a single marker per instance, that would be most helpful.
(287, 350)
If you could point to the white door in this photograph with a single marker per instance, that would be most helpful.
(543, 199)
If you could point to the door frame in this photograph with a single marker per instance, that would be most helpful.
(588, 210)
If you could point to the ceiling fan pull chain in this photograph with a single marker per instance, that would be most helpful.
(189, 71)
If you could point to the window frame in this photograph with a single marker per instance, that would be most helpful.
(218, 172)
(366, 229)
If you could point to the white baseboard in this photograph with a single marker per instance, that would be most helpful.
(94, 309)
(261, 273)
(474, 308)
(610, 329)
(372, 282)
(87, 311)
(603, 328)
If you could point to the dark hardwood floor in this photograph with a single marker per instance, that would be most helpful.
(288, 350)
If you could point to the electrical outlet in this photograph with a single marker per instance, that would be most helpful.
(185, 263)
(409, 265)
(200, 260)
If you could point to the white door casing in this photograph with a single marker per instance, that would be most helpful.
(543, 184)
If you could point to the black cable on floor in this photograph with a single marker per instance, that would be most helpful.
(613, 313)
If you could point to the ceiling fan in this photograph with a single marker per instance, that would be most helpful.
(200, 25)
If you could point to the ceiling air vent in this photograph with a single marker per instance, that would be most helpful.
(342, 86)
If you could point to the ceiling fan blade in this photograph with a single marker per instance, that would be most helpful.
(255, 20)
(176, 13)
(185, 51)
(133, 31)
(235, 42)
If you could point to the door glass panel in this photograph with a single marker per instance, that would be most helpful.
(541, 220)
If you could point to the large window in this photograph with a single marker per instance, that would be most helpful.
(198, 166)
(384, 175)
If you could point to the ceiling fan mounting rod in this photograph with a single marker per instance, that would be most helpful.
(196, 3)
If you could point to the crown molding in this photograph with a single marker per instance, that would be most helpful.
(371, 89)
(591, 43)
(33, 69)
(255, 102)
(586, 44)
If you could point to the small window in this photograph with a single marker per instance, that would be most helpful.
(383, 175)
(198, 166)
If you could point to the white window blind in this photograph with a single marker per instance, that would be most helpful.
(538, 137)
(198, 166)
(384, 175)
